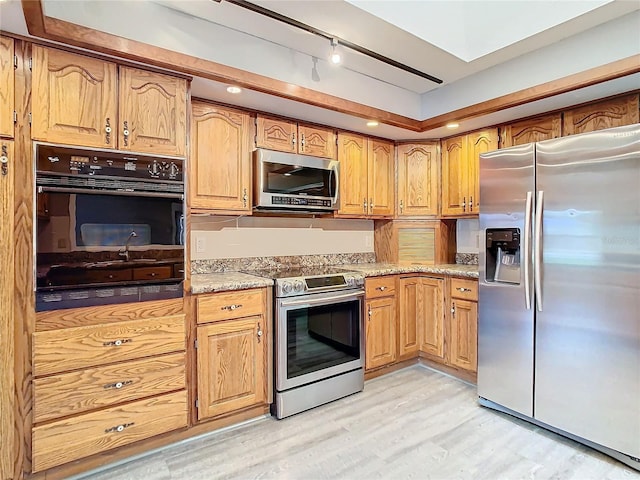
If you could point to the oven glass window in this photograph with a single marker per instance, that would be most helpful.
(322, 337)
(298, 180)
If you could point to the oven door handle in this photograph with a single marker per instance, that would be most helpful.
(317, 301)
(92, 191)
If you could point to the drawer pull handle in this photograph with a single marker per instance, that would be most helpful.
(118, 385)
(382, 288)
(118, 428)
(462, 289)
(259, 333)
(117, 343)
(231, 307)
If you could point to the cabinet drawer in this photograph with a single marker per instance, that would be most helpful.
(376, 287)
(83, 435)
(56, 351)
(152, 273)
(464, 289)
(84, 390)
(227, 305)
(108, 275)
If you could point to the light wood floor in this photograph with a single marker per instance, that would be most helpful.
(415, 423)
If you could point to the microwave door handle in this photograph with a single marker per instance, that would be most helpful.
(318, 301)
(335, 172)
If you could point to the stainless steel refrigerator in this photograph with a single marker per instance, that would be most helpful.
(559, 308)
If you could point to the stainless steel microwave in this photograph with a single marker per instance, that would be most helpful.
(286, 181)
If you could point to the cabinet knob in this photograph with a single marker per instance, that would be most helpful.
(401, 206)
(371, 205)
(125, 133)
(293, 140)
(382, 288)
(464, 204)
(471, 204)
(364, 205)
(117, 385)
(462, 289)
(259, 333)
(245, 197)
(4, 160)
(231, 307)
(107, 131)
(117, 343)
(369, 313)
(302, 142)
(453, 310)
(119, 428)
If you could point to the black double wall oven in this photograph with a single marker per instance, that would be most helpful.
(109, 227)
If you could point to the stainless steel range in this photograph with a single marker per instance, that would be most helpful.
(319, 345)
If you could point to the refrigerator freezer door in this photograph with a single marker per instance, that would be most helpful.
(505, 325)
(587, 375)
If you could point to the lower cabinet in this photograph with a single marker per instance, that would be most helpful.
(233, 351)
(463, 324)
(380, 321)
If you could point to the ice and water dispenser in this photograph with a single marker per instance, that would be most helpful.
(503, 255)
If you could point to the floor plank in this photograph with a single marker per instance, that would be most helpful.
(415, 423)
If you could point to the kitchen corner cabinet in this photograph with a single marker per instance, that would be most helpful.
(7, 86)
(463, 324)
(233, 351)
(597, 116)
(79, 100)
(460, 171)
(409, 305)
(531, 130)
(366, 176)
(220, 160)
(291, 137)
(418, 171)
(380, 321)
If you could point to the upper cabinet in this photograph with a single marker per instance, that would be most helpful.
(220, 160)
(460, 171)
(597, 116)
(7, 86)
(418, 168)
(531, 130)
(84, 101)
(291, 137)
(366, 176)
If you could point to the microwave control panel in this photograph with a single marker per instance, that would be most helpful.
(300, 201)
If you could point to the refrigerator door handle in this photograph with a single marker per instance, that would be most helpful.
(527, 250)
(537, 269)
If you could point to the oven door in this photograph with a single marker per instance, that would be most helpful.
(318, 336)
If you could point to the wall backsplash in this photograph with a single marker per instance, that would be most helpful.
(235, 237)
(467, 232)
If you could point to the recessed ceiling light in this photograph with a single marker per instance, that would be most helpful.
(372, 123)
(453, 125)
(233, 89)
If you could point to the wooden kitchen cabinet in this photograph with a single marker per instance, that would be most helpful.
(233, 353)
(460, 171)
(7, 86)
(418, 170)
(597, 116)
(409, 306)
(291, 137)
(152, 112)
(531, 130)
(220, 160)
(463, 324)
(381, 322)
(74, 99)
(366, 176)
(79, 100)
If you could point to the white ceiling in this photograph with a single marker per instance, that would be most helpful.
(510, 45)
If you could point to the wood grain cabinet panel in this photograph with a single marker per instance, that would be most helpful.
(76, 437)
(598, 116)
(532, 130)
(228, 305)
(384, 286)
(316, 141)
(352, 155)
(74, 99)
(380, 332)
(82, 390)
(455, 176)
(220, 163)
(153, 273)
(7, 86)
(478, 142)
(56, 351)
(463, 350)
(431, 318)
(410, 305)
(153, 112)
(380, 178)
(232, 358)
(276, 134)
(418, 169)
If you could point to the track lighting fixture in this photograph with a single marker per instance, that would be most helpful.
(335, 55)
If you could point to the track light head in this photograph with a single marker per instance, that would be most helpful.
(335, 57)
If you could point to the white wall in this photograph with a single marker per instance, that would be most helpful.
(236, 237)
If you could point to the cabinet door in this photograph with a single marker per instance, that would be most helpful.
(231, 365)
(431, 318)
(153, 112)
(319, 142)
(418, 169)
(531, 130)
(454, 176)
(352, 155)
(7, 87)
(74, 99)
(7, 291)
(380, 332)
(608, 114)
(477, 143)
(276, 134)
(381, 178)
(220, 161)
(410, 307)
(463, 349)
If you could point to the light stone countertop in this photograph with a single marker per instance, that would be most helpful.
(226, 281)
(375, 269)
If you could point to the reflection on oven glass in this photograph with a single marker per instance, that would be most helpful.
(322, 337)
